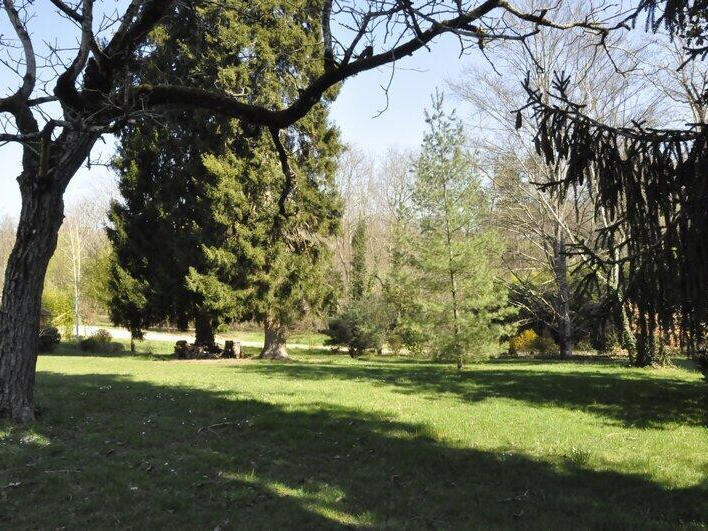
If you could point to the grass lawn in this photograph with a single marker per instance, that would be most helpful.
(325, 442)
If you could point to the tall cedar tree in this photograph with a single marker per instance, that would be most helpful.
(227, 235)
(460, 310)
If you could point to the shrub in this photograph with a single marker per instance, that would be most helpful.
(702, 361)
(606, 343)
(60, 305)
(544, 346)
(102, 336)
(100, 341)
(49, 338)
(355, 329)
(522, 342)
(88, 343)
(529, 341)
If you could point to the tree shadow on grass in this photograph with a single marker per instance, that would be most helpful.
(631, 398)
(109, 452)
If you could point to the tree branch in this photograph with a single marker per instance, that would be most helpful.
(30, 78)
(68, 11)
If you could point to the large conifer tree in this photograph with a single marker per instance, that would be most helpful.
(238, 232)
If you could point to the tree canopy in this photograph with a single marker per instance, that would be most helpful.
(238, 230)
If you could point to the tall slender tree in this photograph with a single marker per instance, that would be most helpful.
(460, 307)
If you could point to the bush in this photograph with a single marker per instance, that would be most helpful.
(355, 329)
(545, 346)
(606, 343)
(522, 342)
(88, 344)
(60, 305)
(103, 337)
(100, 341)
(530, 341)
(49, 338)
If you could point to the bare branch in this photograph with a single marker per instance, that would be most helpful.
(30, 77)
(68, 11)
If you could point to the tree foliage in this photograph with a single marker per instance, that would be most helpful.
(237, 231)
(651, 185)
(359, 275)
(457, 308)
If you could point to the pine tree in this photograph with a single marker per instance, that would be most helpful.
(230, 234)
(459, 309)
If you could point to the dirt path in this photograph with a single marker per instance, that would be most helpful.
(122, 333)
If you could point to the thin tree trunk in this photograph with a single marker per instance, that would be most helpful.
(274, 345)
(627, 339)
(204, 330)
(453, 283)
(76, 303)
(560, 270)
(41, 216)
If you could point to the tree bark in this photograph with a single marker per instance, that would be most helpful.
(41, 216)
(274, 347)
(560, 270)
(628, 341)
(42, 185)
(204, 330)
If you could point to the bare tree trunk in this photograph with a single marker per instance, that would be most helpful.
(40, 219)
(453, 284)
(627, 339)
(76, 306)
(560, 270)
(274, 347)
(75, 244)
(204, 330)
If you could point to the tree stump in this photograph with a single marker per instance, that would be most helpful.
(181, 349)
(184, 350)
(232, 350)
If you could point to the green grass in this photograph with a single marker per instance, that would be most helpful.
(326, 442)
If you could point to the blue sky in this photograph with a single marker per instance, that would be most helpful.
(355, 111)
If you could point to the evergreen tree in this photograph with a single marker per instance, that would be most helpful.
(358, 265)
(459, 309)
(398, 287)
(234, 232)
